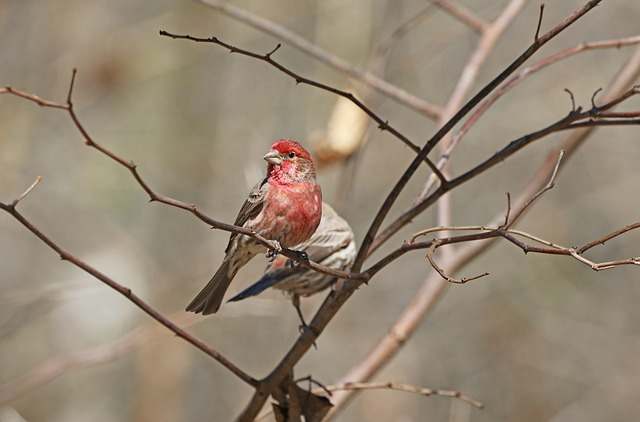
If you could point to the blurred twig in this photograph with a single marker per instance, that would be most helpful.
(402, 387)
(409, 388)
(463, 14)
(148, 309)
(380, 85)
(103, 353)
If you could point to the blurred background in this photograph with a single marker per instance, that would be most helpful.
(541, 338)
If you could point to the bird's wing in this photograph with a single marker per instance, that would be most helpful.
(251, 207)
(333, 234)
(323, 244)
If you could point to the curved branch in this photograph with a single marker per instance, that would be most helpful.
(403, 97)
(382, 124)
(126, 292)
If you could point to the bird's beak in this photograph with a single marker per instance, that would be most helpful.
(273, 157)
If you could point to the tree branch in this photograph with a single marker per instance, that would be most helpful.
(382, 124)
(402, 97)
(126, 292)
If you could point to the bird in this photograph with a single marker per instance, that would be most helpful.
(285, 207)
(332, 245)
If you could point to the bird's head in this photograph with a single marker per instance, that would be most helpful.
(289, 160)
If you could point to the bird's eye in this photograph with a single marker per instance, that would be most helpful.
(291, 155)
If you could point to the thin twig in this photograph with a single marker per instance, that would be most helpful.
(367, 245)
(108, 352)
(547, 187)
(463, 14)
(404, 387)
(402, 97)
(26, 192)
(434, 287)
(126, 292)
(440, 271)
(382, 124)
(608, 237)
(155, 197)
(540, 15)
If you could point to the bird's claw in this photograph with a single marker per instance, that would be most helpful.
(272, 253)
(300, 256)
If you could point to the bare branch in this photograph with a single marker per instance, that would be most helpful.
(382, 124)
(575, 119)
(434, 286)
(535, 38)
(403, 387)
(341, 65)
(126, 292)
(608, 237)
(155, 197)
(25, 193)
(547, 187)
(463, 14)
(103, 353)
(368, 242)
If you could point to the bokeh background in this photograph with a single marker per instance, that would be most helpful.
(542, 338)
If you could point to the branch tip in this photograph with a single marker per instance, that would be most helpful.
(540, 15)
(74, 72)
(593, 98)
(26, 192)
(268, 55)
(573, 100)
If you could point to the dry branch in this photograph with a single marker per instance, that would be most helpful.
(341, 65)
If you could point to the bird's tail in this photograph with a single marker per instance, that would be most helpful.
(269, 279)
(208, 301)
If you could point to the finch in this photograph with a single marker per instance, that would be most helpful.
(286, 206)
(332, 245)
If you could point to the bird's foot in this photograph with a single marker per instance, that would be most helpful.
(272, 253)
(300, 256)
(303, 327)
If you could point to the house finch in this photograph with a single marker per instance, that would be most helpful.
(331, 245)
(286, 206)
